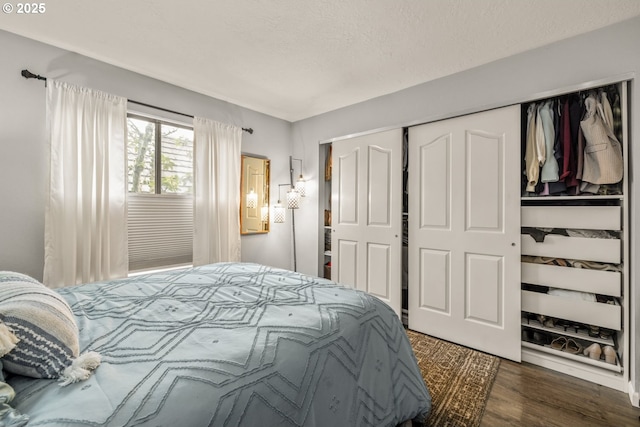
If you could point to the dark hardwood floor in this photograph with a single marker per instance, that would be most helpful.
(527, 395)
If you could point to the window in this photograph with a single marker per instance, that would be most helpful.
(160, 184)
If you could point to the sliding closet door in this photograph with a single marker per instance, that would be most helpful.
(367, 215)
(464, 230)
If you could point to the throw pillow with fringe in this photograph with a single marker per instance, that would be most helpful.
(39, 332)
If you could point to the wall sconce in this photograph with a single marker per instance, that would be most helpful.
(300, 183)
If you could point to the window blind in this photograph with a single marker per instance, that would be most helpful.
(160, 230)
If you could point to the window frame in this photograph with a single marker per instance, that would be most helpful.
(157, 158)
(145, 258)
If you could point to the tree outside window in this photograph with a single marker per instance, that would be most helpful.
(151, 142)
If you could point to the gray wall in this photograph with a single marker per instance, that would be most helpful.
(602, 54)
(24, 152)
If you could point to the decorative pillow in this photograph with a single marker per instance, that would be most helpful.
(46, 331)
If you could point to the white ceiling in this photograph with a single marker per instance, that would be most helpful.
(294, 59)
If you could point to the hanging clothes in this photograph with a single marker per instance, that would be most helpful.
(560, 158)
(575, 114)
(557, 187)
(568, 158)
(531, 151)
(603, 162)
(549, 172)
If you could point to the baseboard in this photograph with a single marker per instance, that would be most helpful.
(633, 395)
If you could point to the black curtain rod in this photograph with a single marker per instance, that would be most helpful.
(29, 75)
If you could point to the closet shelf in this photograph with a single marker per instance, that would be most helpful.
(594, 197)
(582, 333)
(577, 357)
(590, 313)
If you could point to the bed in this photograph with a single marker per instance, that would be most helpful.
(232, 344)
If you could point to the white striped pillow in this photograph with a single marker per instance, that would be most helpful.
(45, 326)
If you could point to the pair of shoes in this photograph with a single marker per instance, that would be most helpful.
(593, 351)
(567, 345)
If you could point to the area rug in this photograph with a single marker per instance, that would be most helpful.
(459, 380)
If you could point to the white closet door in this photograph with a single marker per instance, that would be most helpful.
(367, 215)
(464, 230)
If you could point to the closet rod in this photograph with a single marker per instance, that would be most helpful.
(29, 75)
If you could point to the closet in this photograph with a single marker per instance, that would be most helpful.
(575, 239)
(499, 258)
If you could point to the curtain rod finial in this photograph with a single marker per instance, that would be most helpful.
(29, 75)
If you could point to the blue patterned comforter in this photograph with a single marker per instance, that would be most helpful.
(232, 344)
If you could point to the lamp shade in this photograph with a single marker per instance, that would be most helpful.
(264, 213)
(300, 186)
(278, 213)
(293, 199)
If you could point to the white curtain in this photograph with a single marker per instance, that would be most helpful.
(85, 217)
(217, 192)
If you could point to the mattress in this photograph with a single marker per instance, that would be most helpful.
(232, 344)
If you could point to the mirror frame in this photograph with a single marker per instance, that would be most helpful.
(249, 179)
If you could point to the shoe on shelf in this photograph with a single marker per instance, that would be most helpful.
(594, 331)
(559, 343)
(540, 338)
(572, 347)
(605, 334)
(594, 351)
(609, 354)
(548, 322)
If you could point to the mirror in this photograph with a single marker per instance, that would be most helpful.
(254, 195)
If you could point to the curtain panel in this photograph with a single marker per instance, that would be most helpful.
(85, 216)
(216, 152)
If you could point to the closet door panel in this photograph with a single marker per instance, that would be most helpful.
(473, 217)
(434, 274)
(367, 194)
(485, 181)
(379, 186)
(483, 289)
(348, 187)
(379, 270)
(434, 158)
(347, 257)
